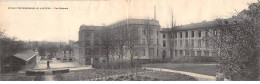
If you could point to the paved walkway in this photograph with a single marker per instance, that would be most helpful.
(56, 64)
(42, 64)
(200, 77)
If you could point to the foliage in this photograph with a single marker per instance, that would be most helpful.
(49, 47)
(237, 45)
(9, 46)
(194, 59)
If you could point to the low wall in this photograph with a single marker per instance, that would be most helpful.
(60, 71)
(34, 72)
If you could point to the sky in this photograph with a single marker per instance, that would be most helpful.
(63, 24)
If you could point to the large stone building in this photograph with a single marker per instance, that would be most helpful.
(147, 40)
(88, 37)
(153, 42)
(189, 40)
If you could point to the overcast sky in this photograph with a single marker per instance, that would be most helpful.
(63, 24)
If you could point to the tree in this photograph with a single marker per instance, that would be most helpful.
(237, 44)
(49, 47)
(9, 46)
(106, 42)
(133, 38)
(119, 41)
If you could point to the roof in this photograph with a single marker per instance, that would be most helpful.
(208, 24)
(204, 24)
(84, 27)
(26, 55)
(135, 21)
(165, 29)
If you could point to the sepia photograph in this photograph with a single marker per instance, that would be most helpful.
(130, 40)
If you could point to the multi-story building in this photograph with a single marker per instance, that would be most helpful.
(153, 42)
(191, 39)
(88, 44)
(146, 41)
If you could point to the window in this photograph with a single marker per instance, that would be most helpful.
(181, 52)
(143, 41)
(151, 31)
(180, 43)
(199, 43)
(206, 32)
(143, 31)
(192, 53)
(180, 34)
(187, 53)
(157, 41)
(198, 53)
(144, 52)
(187, 35)
(199, 33)
(164, 36)
(87, 43)
(164, 43)
(88, 34)
(186, 43)
(175, 42)
(175, 35)
(206, 43)
(171, 53)
(134, 31)
(87, 51)
(103, 51)
(192, 43)
(176, 53)
(206, 53)
(192, 33)
(151, 41)
(96, 42)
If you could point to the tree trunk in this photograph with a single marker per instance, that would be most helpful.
(1, 56)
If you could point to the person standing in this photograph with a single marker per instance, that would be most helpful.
(48, 64)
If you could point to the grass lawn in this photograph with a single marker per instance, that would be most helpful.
(97, 73)
(206, 69)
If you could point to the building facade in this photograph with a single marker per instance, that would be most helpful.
(146, 40)
(152, 42)
(190, 40)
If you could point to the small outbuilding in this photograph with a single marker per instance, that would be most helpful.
(19, 61)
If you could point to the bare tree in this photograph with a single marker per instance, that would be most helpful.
(9, 46)
(120, 41)
(106, 42)
(133, 38)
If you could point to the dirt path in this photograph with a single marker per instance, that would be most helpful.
(200, 77)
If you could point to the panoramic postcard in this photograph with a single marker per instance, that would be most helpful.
(130, 40)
